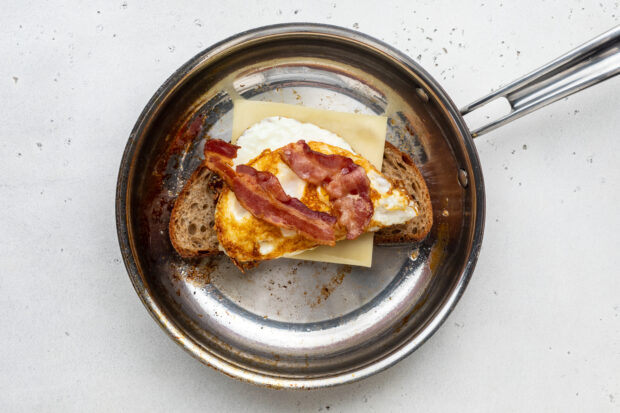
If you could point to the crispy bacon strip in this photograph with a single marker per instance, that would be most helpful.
(344, 181)
(224, 149)
(270, 184)
(219, 156)
(261, 194)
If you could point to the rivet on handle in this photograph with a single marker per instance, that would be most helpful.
(422, 94)
(463, 178)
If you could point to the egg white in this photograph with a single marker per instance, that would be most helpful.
(278, 131)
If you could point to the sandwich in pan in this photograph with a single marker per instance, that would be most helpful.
(286, 187)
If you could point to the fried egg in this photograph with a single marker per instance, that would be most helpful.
(246, 238)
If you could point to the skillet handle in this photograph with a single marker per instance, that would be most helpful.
(582, 67)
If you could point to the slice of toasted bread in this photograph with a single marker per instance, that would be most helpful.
(400, 168)
(192, 218)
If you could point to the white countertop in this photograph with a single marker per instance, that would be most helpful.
(537, 329)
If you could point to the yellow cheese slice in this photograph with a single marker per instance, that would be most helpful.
(365, 134)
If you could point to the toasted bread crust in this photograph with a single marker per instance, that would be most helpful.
(400, 168)
(192, 217)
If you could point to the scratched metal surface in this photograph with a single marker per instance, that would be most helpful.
(290, 323)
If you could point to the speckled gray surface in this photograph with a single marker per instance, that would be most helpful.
(538, 327)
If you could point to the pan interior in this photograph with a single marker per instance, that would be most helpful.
(289, 318)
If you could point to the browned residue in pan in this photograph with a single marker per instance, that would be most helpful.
(199, 272)
(326, 289)
(157, 201)
(439, 248)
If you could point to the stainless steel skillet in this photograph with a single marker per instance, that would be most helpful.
(301, 324)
